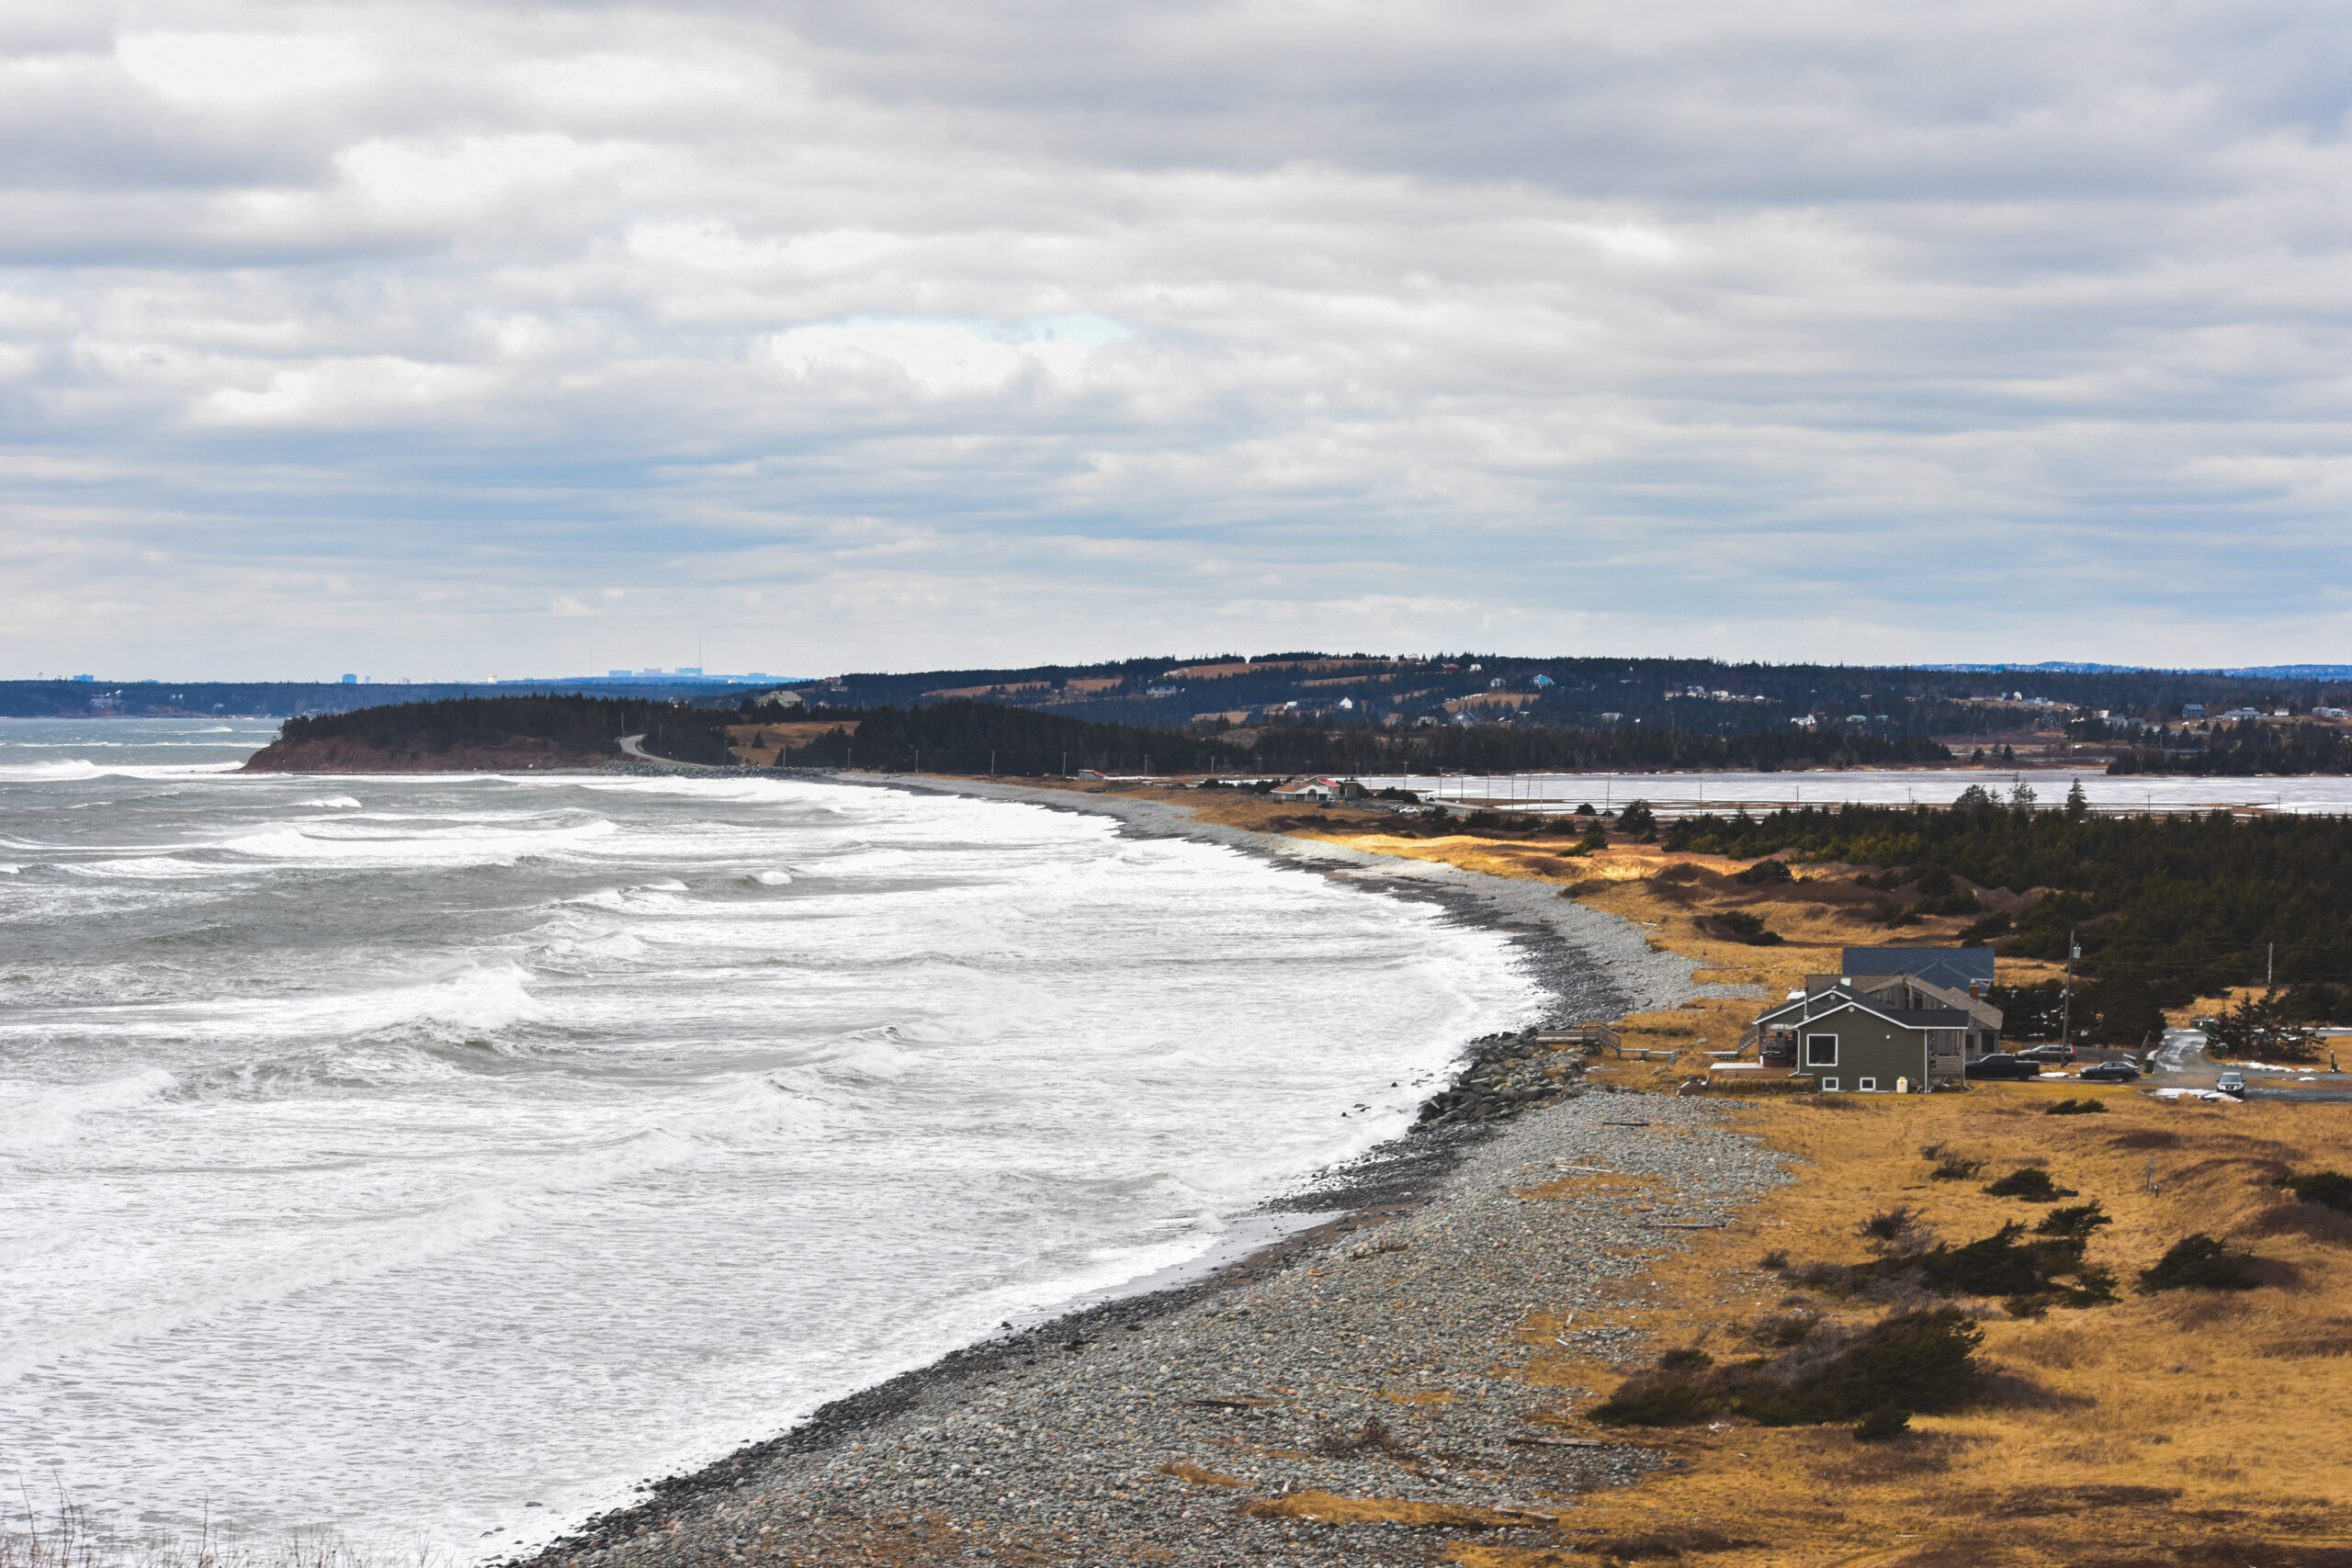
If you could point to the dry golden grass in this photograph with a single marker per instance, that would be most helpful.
(2180, 1428)
(2189, 1427)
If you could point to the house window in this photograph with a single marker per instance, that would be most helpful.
(1829, 1086)
(1821, 1049)
(1867, 1085)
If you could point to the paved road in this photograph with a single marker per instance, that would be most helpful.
(2182, 1063)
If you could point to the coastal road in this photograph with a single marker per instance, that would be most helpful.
(632, 746)
(2182, 1063)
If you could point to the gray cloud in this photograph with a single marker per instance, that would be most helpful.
(437, 339)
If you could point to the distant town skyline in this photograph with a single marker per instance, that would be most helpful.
(444, 341)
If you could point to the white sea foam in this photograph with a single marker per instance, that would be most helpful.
(382, 1116)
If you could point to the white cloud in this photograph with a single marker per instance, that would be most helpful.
(987, 333)
(230, 73)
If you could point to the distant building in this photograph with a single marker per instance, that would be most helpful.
(1965, 968)
(780, 699)
(2192, 710)
(1870, 1033)
(1544, 682)
(351, 680)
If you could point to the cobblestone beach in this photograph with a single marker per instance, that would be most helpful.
(1384, 1356)
(1368, 1390)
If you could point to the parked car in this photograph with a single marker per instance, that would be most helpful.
(2001, 1066)
(2232, 1083)
(2111, 1072)
(2051, 1053)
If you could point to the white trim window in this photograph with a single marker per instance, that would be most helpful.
(1829, 1086)
(1867, 1086)
(1821, 1049)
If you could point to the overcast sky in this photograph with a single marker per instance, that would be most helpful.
(434, 341)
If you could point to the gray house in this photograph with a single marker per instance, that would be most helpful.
(1870, 1031)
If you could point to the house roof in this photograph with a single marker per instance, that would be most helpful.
(1821, 1004)
(1957, 967)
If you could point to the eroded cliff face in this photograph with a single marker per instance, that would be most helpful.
(336, 754)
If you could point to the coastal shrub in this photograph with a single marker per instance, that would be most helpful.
(1765, 873)
(2075, 1222)
(1745, 926)
(2198, 1263)
(1912, 1360)
(2006, 1264)
(1954, 1168)
(1886, 1421)
(1783, 1330)
(1637, 820)
(1891, 1225)
(2029, 1182)
(2075, 1108)
(2329, 1188)
(1661, 1397)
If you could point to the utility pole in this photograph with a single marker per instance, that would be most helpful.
(2066, 998)
(2269, 964)
(992, 764)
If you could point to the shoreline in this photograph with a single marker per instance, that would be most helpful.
(1591, 965)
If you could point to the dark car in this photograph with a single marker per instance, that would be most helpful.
(1999, 1066)
(2111, 1072)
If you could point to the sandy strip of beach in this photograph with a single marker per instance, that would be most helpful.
(1361, 1392)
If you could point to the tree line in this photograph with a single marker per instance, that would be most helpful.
(2164, 909)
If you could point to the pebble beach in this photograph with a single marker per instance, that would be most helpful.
(1381, 1352)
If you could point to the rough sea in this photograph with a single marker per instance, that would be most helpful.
(430, 1159)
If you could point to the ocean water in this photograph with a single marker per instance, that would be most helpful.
(390, 1155)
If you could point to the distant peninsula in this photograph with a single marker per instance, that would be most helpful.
(492, 734)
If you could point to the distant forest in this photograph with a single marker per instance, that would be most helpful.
(963, 735)
(2244, 750)
(589, 725)
(1700, 696)
(2166, 908)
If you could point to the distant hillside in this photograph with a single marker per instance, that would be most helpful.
(280, 699)
(491, 733)
(1695, 697)
(965, 735)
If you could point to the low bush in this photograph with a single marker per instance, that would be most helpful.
(2075, 1221)
(1765, 873)
(2029, 1182)
(1891, 1226)
(2076, 1108)
(2004, 1264)
(1783, 1330)
(1747, 928)
(2198, 1263)
(1954, 1168)
(2329, 1188)
(1915, 1360)
(1884, 1422)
